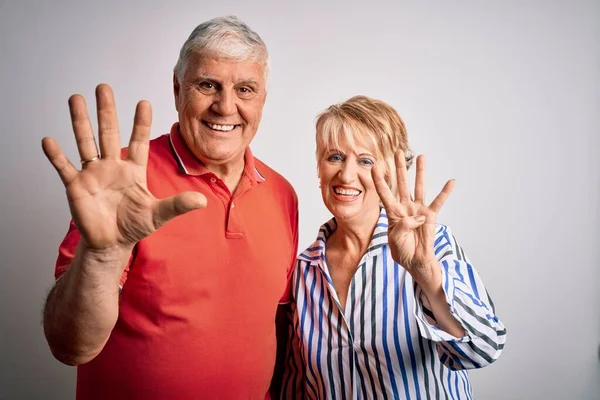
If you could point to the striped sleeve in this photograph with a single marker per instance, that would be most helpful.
(294, 374)
(469, 303)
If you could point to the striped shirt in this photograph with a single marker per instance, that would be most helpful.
(385, 343)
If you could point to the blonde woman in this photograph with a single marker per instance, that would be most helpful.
(385, 302)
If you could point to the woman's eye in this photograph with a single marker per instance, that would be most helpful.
(335, 158)
(366, 162)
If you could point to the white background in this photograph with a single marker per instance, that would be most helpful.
(502, 96)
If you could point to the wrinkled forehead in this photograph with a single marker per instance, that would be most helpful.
(219, 66)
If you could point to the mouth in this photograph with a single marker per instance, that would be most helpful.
(346, 192)
(221, 127)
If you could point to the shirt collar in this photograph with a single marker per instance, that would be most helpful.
(316, 251)
(190, 165)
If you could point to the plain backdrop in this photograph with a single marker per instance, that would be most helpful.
(502, 96)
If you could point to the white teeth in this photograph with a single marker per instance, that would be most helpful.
(347, 192)
(224, 128)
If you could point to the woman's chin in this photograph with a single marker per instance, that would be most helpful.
(350, 212)
(346, 211)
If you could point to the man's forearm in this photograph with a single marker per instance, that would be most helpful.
(83, 306)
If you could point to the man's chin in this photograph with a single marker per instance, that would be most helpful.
(220, 156)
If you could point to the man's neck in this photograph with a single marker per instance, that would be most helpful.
(230, 174)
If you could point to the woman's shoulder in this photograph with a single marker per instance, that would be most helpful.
(313, 252)
(316, 249)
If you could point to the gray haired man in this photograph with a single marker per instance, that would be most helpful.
(185, 311)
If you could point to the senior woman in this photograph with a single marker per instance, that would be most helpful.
(385, 302)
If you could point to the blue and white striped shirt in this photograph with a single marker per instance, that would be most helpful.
(385, 343)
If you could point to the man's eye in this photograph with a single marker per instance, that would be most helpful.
(245, 91)
(206, 85)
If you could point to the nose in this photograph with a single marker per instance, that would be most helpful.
(347, 173)
(224, 103)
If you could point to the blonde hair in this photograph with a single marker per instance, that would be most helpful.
(369, 122)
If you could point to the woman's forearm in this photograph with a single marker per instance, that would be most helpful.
(438, 304)
(441, 310)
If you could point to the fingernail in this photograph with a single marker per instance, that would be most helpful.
(420, 218)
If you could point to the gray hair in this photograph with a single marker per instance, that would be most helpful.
(227, 37)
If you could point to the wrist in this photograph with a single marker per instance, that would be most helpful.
(103, 266)
(107, 256)
(429, 276)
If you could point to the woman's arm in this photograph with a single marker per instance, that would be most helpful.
(467, 302)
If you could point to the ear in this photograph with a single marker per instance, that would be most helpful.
(319, 174)
(176, 88)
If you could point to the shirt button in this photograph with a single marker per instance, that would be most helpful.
(213, 180)
(232, 205)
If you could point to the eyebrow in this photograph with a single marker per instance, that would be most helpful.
(331, 151)
(210, 77)
(247, 82)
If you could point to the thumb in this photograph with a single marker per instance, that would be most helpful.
(171, 207)
(414, 222)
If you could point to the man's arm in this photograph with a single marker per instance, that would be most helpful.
(83, 306)
(113, 210)
(282, 325)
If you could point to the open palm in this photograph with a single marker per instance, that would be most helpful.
(411, 223)
(109, 199)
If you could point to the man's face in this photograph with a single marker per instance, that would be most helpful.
(220, 105)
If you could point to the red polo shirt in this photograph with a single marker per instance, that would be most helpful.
(197, 309)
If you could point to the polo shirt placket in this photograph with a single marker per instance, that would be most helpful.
(250, 177)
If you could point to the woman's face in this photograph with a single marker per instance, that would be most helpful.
(346, 185)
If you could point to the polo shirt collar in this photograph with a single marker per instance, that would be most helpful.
(190, 165)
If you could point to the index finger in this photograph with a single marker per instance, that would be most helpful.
(139, 142)
(382, 188)
(402, 176)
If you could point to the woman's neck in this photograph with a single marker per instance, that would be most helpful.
(353, 236)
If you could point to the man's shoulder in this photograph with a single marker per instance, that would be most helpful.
(273, 177)
(160, 143)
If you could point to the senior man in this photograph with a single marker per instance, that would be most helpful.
(185, 311)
